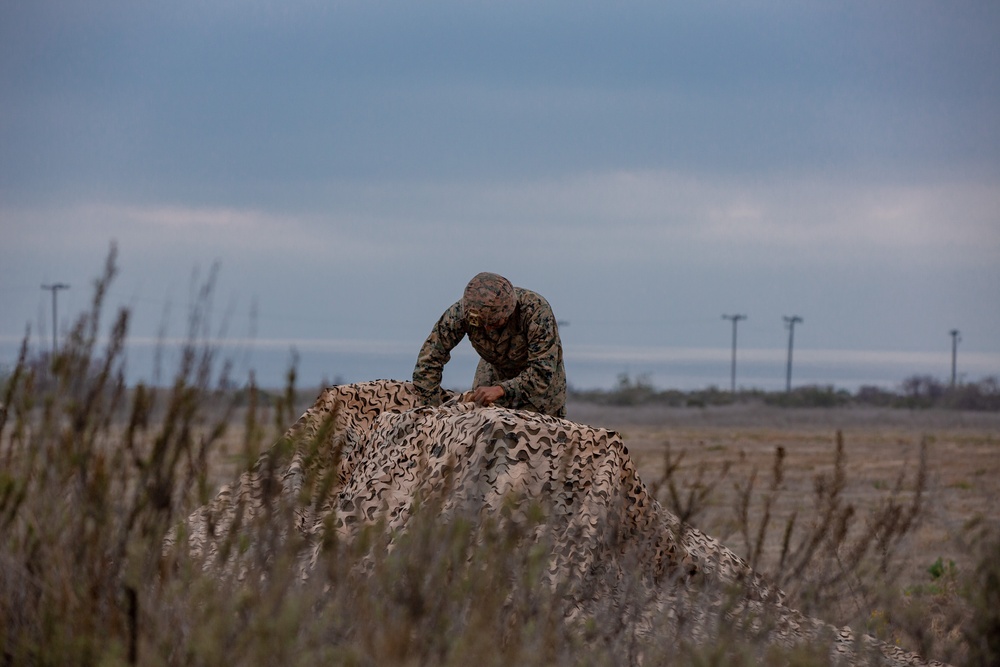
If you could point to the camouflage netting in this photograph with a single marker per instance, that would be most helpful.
(378, 452)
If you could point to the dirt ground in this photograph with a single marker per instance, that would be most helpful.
(882, 447)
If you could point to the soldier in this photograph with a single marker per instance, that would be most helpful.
(515, 334)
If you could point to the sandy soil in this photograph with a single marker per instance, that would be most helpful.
(882, 447)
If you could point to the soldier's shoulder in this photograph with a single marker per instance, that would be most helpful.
(531, 298)
(451, 319)
(534, 306)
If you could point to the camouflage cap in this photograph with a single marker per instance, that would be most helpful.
(489, 300)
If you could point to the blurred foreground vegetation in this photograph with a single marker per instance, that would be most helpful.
(93, 476)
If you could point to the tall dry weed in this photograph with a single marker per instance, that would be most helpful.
(95, 474)
(89, 487)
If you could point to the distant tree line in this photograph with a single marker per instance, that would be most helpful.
(915, 392)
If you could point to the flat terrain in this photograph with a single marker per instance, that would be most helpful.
(882, 448)
(716, 451)
(720, 448)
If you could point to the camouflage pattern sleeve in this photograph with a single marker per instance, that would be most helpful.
(542, 382)
(436, 352)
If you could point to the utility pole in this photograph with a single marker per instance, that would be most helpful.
(734, 319)
(54, 288)
(790, 323)
(956, 336)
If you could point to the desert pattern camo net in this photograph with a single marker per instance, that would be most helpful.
(379, 451)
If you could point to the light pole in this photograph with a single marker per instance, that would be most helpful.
(54, 288)
(790, 323)
(734, 319)
(956, 336)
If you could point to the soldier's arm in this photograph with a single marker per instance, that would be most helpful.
(543, 358)
(436, 352)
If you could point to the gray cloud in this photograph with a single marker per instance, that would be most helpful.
(647, 166)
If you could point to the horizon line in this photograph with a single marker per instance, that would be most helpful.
(586, 352)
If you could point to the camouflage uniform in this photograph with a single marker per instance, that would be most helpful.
(524, 356)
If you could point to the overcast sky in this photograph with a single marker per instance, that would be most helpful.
(647, 166)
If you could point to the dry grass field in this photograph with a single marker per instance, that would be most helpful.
(722, 447)
(718, 450)
(880, 445)
(698, 461)
(722, 462)
(869, 517)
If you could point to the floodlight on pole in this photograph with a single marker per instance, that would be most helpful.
(956, 336)
(790, 323)
(734, 319)
(54, 288)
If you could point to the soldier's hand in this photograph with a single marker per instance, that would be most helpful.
(487, 395)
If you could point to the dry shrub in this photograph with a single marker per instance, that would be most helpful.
(89, 487)
(95, 474)
(845, 566)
